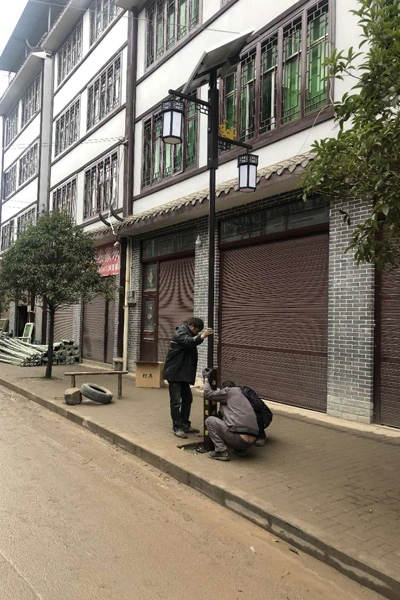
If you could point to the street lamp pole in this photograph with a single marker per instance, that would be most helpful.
(214, 141)
(213, 131)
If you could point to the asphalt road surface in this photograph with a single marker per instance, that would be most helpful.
(82, 520)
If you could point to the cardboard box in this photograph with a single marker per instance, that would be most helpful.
(149, 374)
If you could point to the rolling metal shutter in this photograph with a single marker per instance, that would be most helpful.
(274, 319)
(175, 300)
(64, 324)
(94, 318)
(389, 384)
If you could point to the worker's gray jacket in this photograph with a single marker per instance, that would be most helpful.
(237, 411)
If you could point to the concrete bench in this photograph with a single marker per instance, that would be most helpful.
(75, 374)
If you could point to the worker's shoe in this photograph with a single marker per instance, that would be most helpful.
(260, 442)
(190, 429)
(180, 434)
(222, 455)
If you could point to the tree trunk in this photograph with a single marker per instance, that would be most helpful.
(51, 343)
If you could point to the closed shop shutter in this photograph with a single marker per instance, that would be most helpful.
(175, 300)
(94, 315)
(64, 324)
(111, 330)
(389, 384)
(274, 318)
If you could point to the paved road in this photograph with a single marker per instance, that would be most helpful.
(82, 520)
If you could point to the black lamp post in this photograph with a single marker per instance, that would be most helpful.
(217, 62)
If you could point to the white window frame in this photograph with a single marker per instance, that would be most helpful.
(25, 219)
(29, 164)
(70, 54)
(67, 128)
(7, 235)
(30, 103)
(104, 94)
(11, 126)
(65, 197)
(10, 181)
(102, 14)
(101, 185)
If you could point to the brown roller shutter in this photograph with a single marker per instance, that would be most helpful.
(111, 330)
(274, 317)
(389, 384)
(94, 315)
(64, 324)
(175, 300)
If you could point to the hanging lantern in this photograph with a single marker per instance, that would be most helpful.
(172, 121)
(247, 166)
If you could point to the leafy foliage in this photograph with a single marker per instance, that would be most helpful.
(363, 161)
(54, 261)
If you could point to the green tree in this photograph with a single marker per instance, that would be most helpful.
(363, 161)
(54, 261)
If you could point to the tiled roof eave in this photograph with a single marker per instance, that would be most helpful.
(292, 166)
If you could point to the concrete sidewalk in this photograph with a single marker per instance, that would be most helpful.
(331, 489)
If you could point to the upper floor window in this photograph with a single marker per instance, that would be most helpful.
(168, 21)
(104, 94)
(11, 126)
(67, 128)
(164, 160)
(29, 164)
(7, 235)
(253, 102)
(10, 181)
(70, 54)
(64, 198)
(275, 219)
(27, 218)
(30, 104)
(102, 13)
(101, 186)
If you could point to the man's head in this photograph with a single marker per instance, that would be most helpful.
(196, 325)
(226, 384)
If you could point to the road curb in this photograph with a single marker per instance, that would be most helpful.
(296, 534)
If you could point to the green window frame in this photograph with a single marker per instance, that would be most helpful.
(168, 22)
(281, 77)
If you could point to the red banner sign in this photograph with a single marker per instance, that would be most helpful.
(107, 257)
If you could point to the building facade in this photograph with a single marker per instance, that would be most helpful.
(295, 317)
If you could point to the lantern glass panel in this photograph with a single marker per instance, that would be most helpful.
(243, 177)
(252, 176)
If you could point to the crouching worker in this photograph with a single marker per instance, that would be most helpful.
(238, 428)
(263, 414)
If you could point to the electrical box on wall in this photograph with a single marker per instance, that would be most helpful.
(131, 297)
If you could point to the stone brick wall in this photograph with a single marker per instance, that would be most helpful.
(351, 322)
(135, 310)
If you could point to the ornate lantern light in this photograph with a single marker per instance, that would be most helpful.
(172, 121)
(247, 167)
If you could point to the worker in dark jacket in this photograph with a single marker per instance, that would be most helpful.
(180, 372)
(238, 428)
